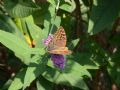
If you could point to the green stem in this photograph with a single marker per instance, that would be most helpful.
(56, 10)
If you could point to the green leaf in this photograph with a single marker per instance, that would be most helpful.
(43, 84)
(114, 66)
(20, 8)
(17, 45)
(101, 16)
(36, 67)
(43, 14)
(114, 71)
(13, 42)
(51, 9)
(17, 83)
(7, 24)
(39, 86)
(33, 30)
(69, 6)
(7, 84)
(71, 75)
(56, 21)
(52, 2)
(85, 59)
(73, 43)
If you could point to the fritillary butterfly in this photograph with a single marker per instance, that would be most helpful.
(57, 45)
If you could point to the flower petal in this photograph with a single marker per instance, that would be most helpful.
(49, 38)
(58, 60)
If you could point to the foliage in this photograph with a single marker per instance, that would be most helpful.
(92, 29)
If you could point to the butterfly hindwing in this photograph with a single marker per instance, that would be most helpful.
(60, 50)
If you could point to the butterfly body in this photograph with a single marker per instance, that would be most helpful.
(57, 45)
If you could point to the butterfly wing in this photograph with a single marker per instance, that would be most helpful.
(58, 40)
(58, 43)
(60, 50)
(60, 37)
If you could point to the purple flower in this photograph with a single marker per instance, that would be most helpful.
(49, 38)
(58, 60)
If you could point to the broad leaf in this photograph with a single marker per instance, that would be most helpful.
(85, 59)
(17, 45)
(101, 16)
(7, 24)
(36, 67)
(71, 75)
(69, 6)
(19, 8)
(43, 84)
(17, 83)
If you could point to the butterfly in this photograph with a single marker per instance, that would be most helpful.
(57, 45)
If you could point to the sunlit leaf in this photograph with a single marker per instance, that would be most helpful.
(17, 83)
(17, 45)
(71, 75)
(36, 67)
(69, 6)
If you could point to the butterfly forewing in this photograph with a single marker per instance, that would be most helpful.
(59, 37)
